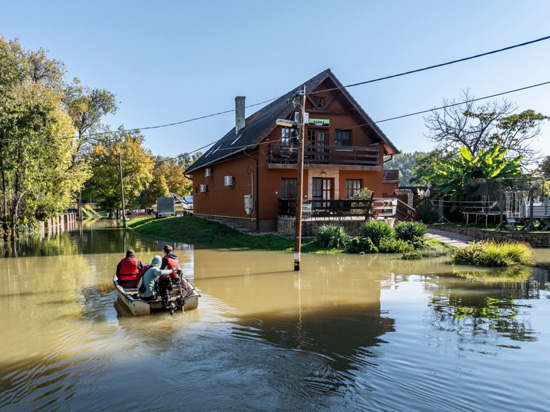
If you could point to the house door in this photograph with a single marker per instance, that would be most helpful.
(316, 146)
(323, 190)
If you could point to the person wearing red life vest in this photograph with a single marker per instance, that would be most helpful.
(170, 261)
(128, 270)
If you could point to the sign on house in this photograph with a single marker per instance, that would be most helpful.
(319, 122)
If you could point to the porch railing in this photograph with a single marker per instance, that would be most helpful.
(327, 208)
(325, 154)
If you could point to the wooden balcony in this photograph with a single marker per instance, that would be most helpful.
(353, 157)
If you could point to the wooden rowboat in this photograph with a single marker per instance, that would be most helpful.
(183, 297)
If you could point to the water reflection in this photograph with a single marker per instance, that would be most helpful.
(345, 333)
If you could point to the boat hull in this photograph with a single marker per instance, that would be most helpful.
(128, 298)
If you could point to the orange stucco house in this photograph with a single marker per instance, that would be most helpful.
(248, 172)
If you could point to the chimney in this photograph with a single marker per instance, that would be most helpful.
(239, 113)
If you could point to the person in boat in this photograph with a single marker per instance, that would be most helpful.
(128, 269)
(170, 261)
(147, 287)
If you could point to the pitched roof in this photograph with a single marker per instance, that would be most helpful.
(261, 123)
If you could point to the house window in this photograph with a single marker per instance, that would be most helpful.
(288, 136)
(288, 188)
(352, 186)
(343, 138)
(318, 102)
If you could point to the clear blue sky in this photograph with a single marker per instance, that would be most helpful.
(173, 60)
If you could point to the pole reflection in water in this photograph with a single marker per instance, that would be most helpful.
(345, 333)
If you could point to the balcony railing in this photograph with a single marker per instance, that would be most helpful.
(325, 154)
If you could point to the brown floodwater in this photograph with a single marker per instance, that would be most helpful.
(347, 332)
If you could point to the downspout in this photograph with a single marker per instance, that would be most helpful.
(257, 200)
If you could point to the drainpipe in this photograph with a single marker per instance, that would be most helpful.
(257, 200)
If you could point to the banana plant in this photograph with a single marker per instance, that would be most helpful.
(451, 176)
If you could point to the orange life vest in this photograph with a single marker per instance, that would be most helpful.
(129, 269)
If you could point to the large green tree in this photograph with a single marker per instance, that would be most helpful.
(479, 127)
(137, 166)
(36, 139)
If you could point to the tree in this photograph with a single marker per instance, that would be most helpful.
(186, 159)
(137, 167)
(175, 179)
(544, 167)
(86, 107)
(36, 139)
(451, 176)
(157, 188)
(481, 127)
(424, 166)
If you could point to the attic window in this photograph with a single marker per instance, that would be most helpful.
(235, 141)
(318, 102)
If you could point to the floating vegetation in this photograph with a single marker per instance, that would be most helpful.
(515, 274)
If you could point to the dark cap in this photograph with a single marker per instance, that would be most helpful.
(130, 253)
(167, 249)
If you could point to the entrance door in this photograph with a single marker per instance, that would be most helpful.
(323, 190)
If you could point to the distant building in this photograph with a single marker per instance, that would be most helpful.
(391, 181)
(246, 175)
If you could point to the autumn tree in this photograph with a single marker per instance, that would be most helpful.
(137, 166)
(479, 127)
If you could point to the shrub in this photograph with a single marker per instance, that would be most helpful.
(410, 231)
(376, 230)
(361, 245)
(493, 254)
(363, 194)
(393, 245)
(414, 255)
(332, 236)
(427, 213)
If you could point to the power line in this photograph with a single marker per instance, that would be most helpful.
(336, 88)
(438, 65)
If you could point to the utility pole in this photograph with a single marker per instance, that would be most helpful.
(299, 178)
(122, 192)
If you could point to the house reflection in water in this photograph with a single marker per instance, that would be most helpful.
(331, 307)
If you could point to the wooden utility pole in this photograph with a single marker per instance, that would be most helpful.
(299, 177)
(122, 191)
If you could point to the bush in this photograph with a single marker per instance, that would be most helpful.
(332, 237)
(414, 255)
(393, 245)
(363, 194)
(493, 254)
(361, 245)
(427, 213)
(376, 230)
(410, 231)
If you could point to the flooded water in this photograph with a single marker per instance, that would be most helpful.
(346, 333)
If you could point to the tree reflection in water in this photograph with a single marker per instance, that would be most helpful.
(498, 307)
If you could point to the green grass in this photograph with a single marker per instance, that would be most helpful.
(494, 254)
(200, 232)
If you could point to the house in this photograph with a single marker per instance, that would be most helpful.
(248, 174)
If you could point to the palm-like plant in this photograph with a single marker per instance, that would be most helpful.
(451, 175)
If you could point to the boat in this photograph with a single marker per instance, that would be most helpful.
(183, 297)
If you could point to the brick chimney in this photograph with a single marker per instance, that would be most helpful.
(239, 113)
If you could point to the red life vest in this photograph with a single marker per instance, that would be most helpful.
(144, 269)
(129, 269)
(171, 263)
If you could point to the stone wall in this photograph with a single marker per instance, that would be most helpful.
(536, 240)
(285, 225)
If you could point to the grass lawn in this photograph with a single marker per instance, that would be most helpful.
(200, 232)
